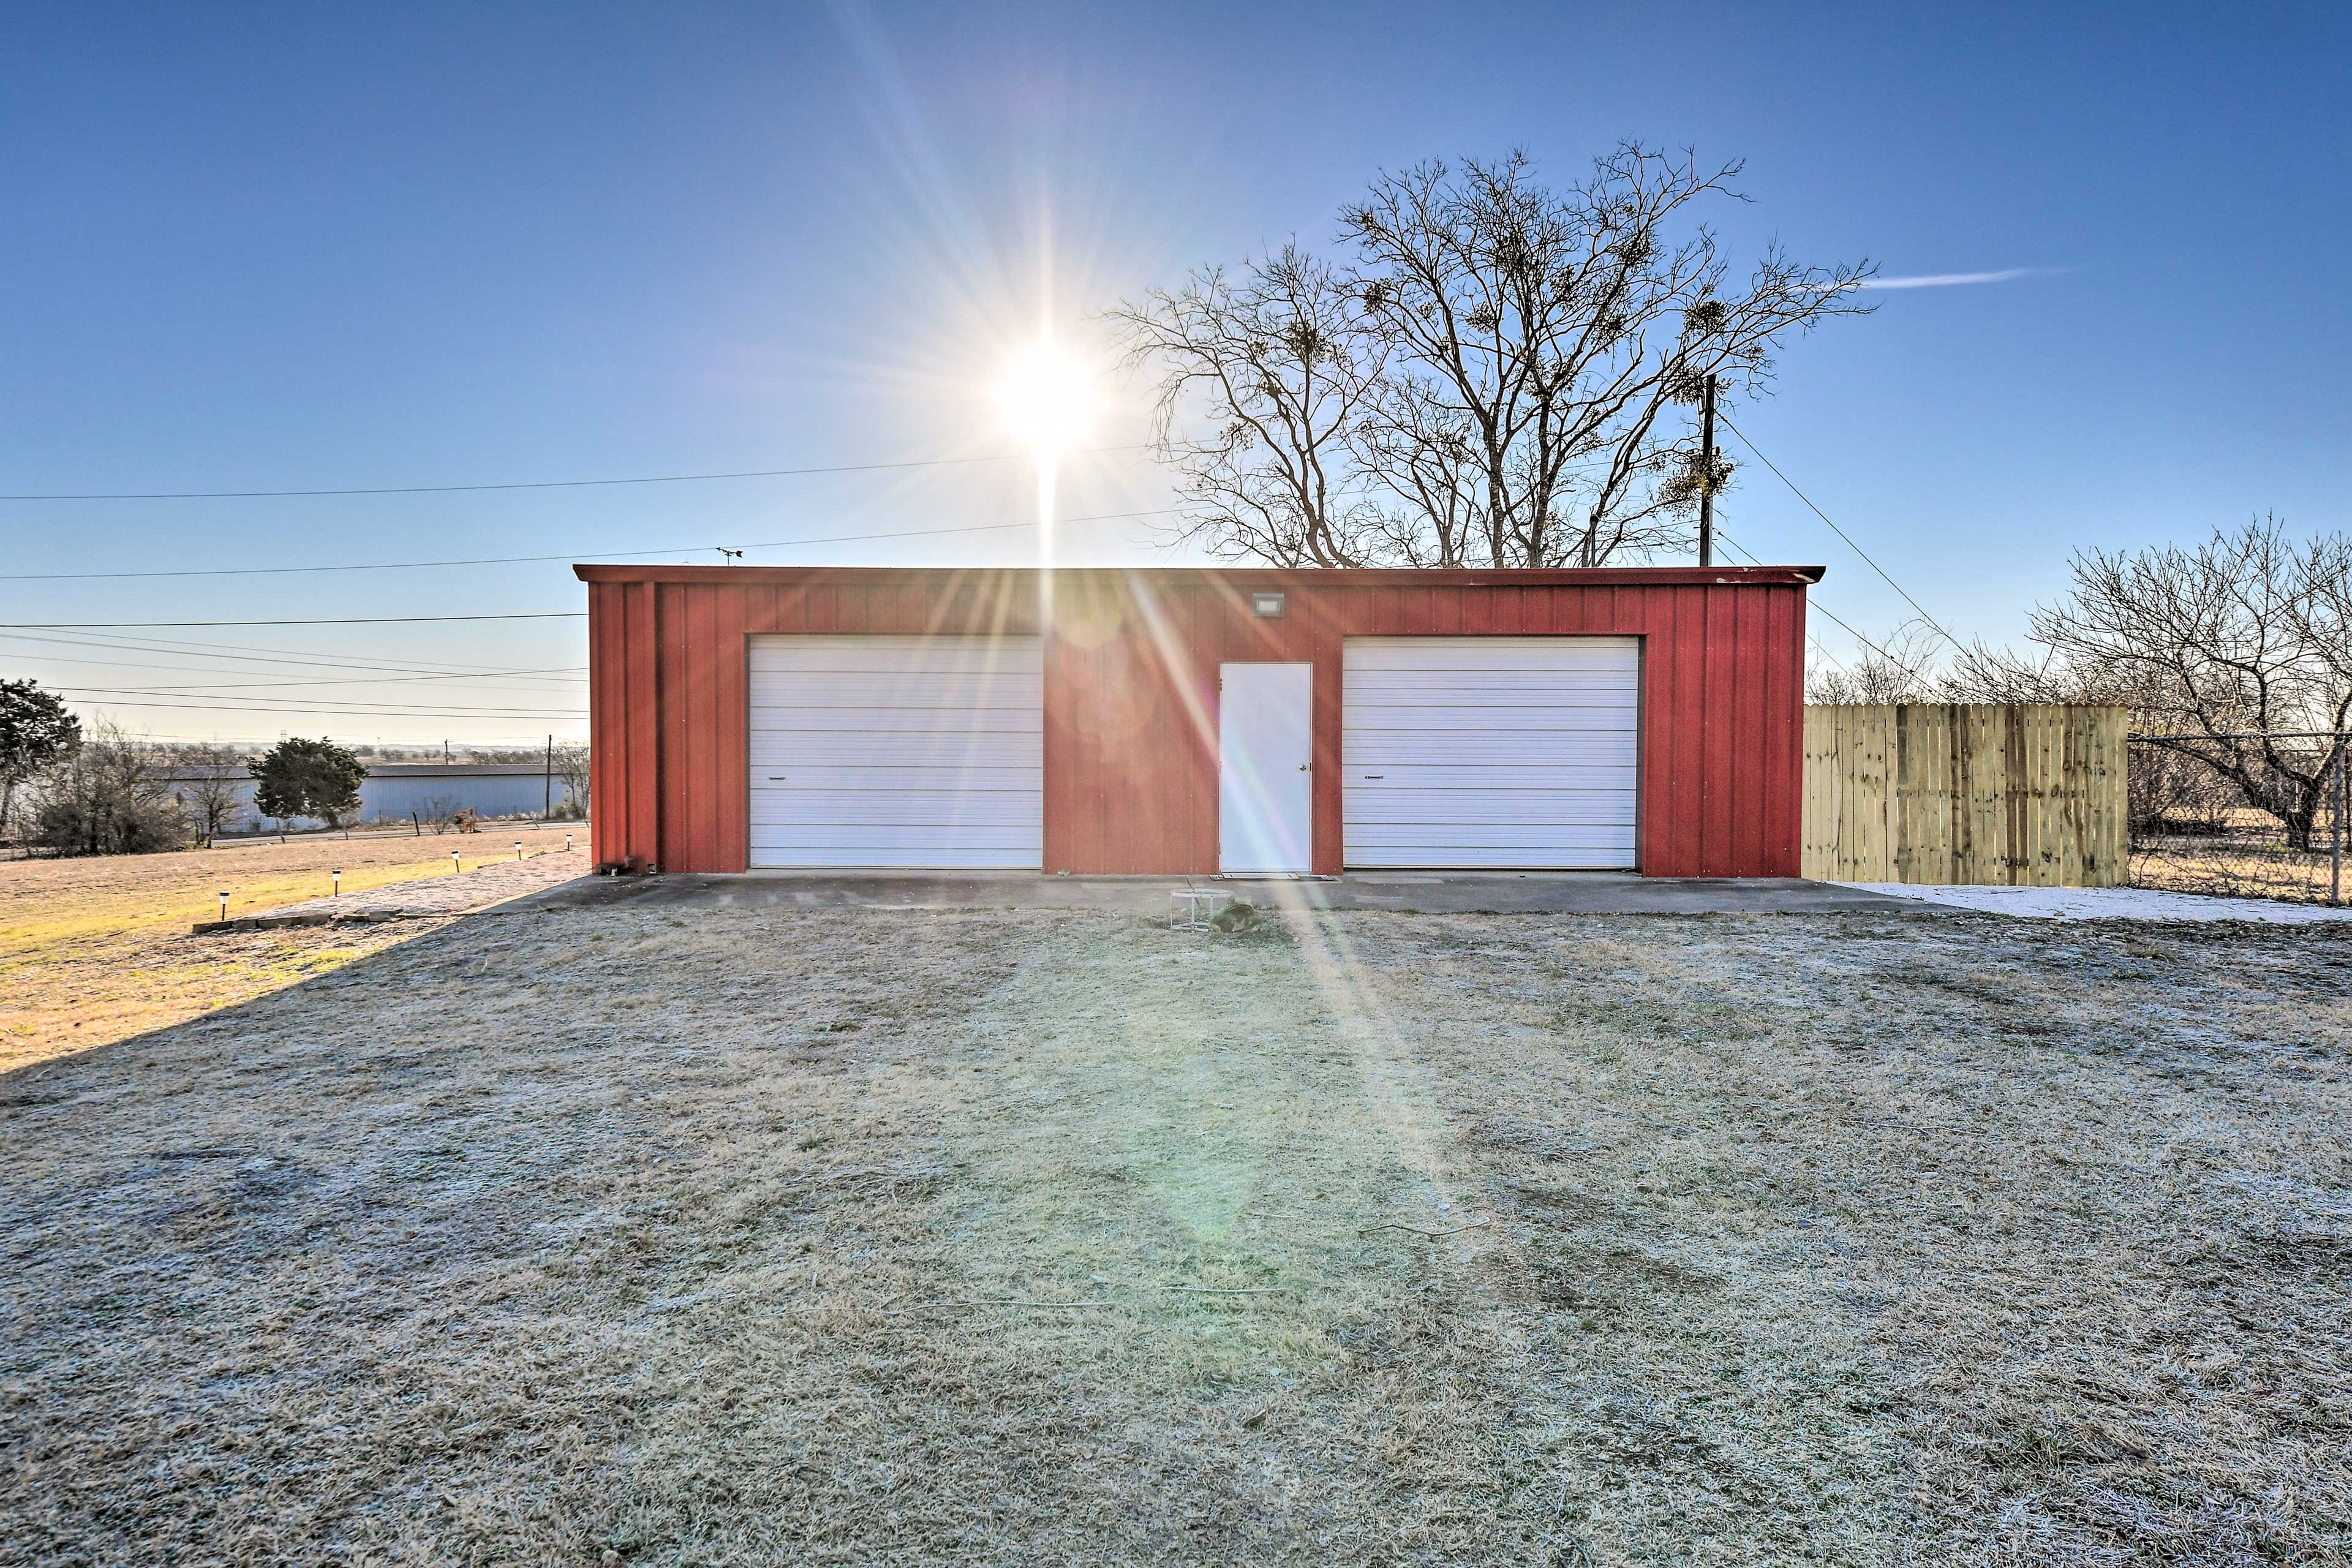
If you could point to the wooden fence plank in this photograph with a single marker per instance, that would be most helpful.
(1870, 803)
(1920, 824)
(1986, 790)
(2107, 860)
(1822, 790)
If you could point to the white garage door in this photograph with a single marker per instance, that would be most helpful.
(1493, 752)
(898, 752)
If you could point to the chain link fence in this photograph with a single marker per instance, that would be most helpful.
(2242, 816)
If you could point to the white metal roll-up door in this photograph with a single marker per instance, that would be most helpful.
(1518, 753)
(925, 752)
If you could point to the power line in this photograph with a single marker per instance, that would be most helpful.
(1842, 534)
(326, 621)
(568, 555)
(241, 653)
(218, 689)
(543, 484)
(235, 677)
(532, 679)
(368, 712)
(382, 620)
(1810, 599)
(1814, 601)
(1730, 544)
(1859, 637)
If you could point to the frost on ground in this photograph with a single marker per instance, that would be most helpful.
(865, 1236)
(477, 887)
(2106, 903)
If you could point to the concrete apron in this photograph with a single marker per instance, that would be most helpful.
(1411, 892)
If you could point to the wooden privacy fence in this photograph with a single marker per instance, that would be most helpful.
(1960, 793)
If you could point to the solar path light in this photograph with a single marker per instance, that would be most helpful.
(224, 898)
(337, 876)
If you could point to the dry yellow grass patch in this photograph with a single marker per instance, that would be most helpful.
(93, 951)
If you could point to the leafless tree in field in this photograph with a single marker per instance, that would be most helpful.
(2168, 792)
(1900, 669)
(108, 797)
(1500, 374)
(2239, 643)
(1267, 373)
(571, 770)
(214, 798)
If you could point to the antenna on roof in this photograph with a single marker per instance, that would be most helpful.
(732, 556)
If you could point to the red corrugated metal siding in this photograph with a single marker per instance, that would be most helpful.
(1131, 674)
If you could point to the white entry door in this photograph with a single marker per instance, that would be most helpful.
(1491, 752)
(1265, 780)
(898, 752)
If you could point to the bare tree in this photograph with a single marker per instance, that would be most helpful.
(1492, 378)
(1267, 373)
(1900, 669)
(214, 796)
(107, 797)
(1540, 338)
(2242, 645)
(571, 770)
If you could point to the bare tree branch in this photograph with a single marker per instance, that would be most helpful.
(1263, 377)
(2240, 643)
(1499, 376)
(1536, 342)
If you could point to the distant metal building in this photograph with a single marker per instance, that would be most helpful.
(398, 792)
(393, 791)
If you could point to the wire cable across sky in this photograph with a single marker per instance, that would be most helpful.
(566, 555)
(1840, 533)
(540, 484)
(315, 621)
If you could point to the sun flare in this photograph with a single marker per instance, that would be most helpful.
(1047, 399)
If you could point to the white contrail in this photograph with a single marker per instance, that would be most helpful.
(1951, 279)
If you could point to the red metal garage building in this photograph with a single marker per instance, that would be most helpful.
(1189, 721)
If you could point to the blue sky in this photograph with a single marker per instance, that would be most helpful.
(280, 249)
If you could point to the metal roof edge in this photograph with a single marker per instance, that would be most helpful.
(1361, 576)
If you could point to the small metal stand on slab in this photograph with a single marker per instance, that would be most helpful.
(1195, 907)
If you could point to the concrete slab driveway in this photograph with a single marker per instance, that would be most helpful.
(1433, 893)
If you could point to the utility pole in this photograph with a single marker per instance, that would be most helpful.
(1706, 477)
(547, 808)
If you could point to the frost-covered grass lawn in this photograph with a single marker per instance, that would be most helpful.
(1017, 1238)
